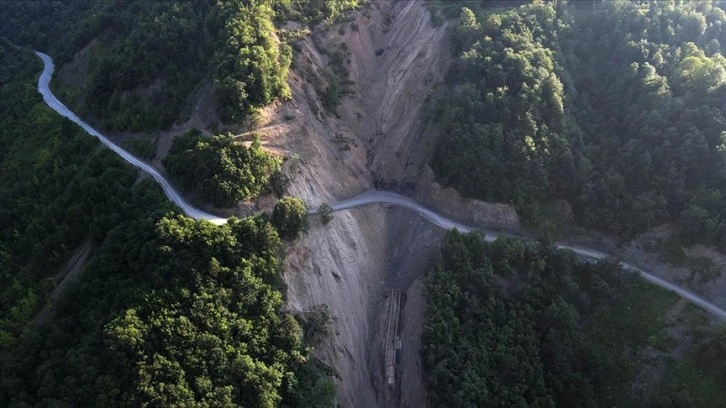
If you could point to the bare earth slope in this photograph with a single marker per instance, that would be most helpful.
(393, 56)
(395, 61)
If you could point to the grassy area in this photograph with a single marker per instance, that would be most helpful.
(639, 319)
(635, 329)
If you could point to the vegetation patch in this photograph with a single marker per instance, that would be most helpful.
(250, 68)
(143, 148)
(702, 374)
(339, 84)
(56, 189)
(290, 217)
(167, 312)
(326, 213)
(152, 55)
(218, 169)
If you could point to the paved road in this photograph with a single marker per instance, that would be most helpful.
(377, 197)
(58, 106)
(365, 198)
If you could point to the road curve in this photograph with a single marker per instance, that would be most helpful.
(386, 197)
(377, 197)
(695, 299)
(365, 198)
(59, 107)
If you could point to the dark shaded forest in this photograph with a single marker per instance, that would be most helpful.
(616, 107)
(517, 324)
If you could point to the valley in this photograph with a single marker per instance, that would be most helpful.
(359, 132)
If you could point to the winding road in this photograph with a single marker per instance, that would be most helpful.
(365, 198)
(58, 106)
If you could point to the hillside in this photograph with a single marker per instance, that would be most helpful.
(133, 65)
(613, 109)
(533, 120)
(519, 323)
(152, 308)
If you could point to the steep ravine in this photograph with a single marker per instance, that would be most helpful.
(394, 55)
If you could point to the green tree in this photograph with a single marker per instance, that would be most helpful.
(468, 28)
(219, 169)
(504, 325)
(165, 310)
(250, 65)
(290, 217)
(326, 213)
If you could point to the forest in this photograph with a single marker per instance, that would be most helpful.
(614, 107)
(517, 323)
(165, 311)
(145, 58)
(162, 310)
(219, 170)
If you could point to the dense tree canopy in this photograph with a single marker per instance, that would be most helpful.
(250, 70)
(143, 59)
(290, 217)
(502, 124)
(518, 324)
(171, 311)
(503, 326)
(55, 191)
(314, 11)
(166, 311)
(218, 169)
(615, 107)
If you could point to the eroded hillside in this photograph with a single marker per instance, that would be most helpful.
(388, 57)
(391, 57)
